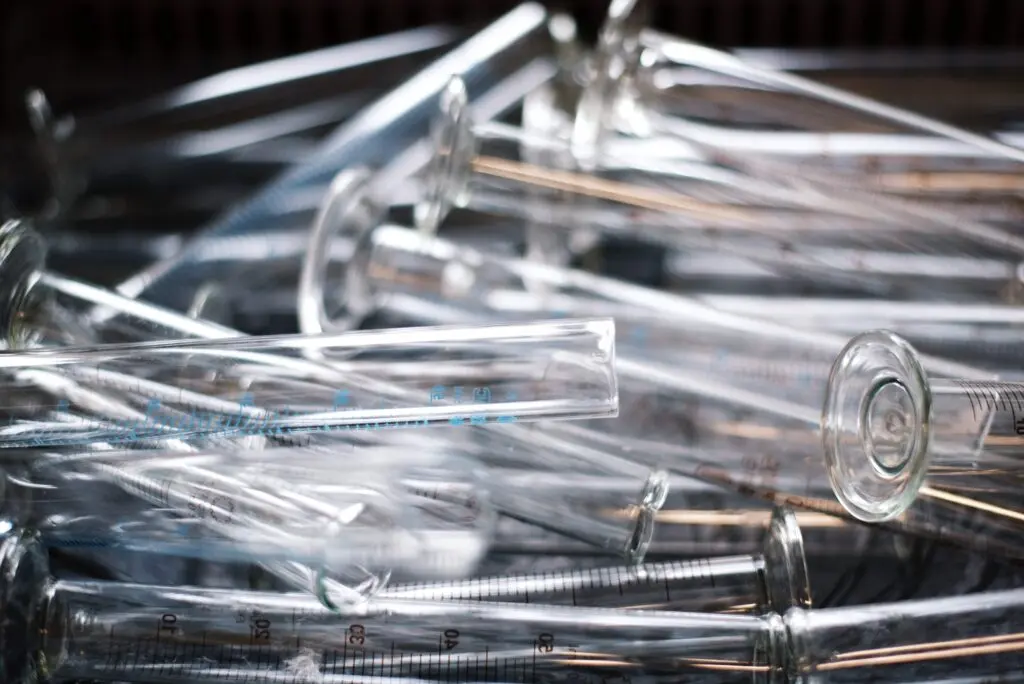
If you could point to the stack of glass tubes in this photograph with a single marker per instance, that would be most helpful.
(522, 360)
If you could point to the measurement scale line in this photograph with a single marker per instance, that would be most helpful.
(970, 397)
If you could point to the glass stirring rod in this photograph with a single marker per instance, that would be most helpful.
(944, 453)
(774, 580)
(59, 631)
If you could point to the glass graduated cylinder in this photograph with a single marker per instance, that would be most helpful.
(424, 515)
(773, 580)
(112, 631)
(293, 385)
(645, 82)
(729, 378)
(44, 308)
(697, 205)
(904, 445)
(57, 631)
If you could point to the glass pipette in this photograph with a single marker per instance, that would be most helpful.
(41, 307)
(775, 579)
(59, 631)
(902, 444)
(265, 386)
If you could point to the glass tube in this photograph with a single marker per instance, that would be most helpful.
(774, 579)
(496, 58)
(266, 387)
(391, 512)
(681, 205)
(983, 335)
(111, 631)
(901, 443)
(639, 64)
(955, 278)
(41, 307)
(975, 637)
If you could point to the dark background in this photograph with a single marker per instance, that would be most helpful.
(84, 52)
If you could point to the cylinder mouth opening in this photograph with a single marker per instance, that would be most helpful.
(876, 426)
(652, 498)
(348, 211)
(446, 184)
(788, 581)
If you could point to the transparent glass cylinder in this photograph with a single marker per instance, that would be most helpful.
(773, 579)
(702, 204)
(268, 386)
(974, 637)
(391, 512)
(698, 520)
(40, 307)
(905, 445)
(110, 631)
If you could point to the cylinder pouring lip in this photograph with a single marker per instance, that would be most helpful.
(875, 426)
(786, 563)
(347, 210)
(454, 147)
(652, 498)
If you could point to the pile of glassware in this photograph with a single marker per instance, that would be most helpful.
(500, 358)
